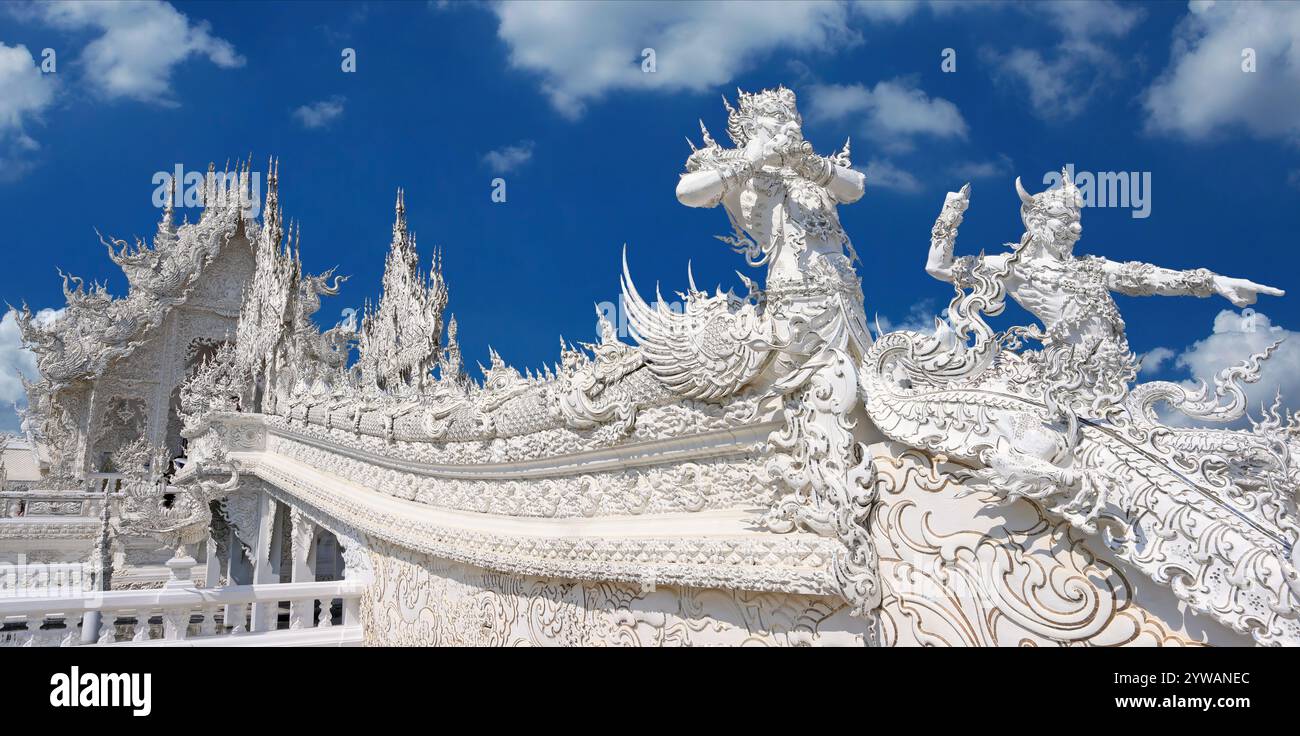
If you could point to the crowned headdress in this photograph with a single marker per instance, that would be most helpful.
(776, 103)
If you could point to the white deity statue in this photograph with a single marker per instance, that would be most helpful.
(781, 199)
(801, 337)
(773, 186)
(1070, 294)
(1191, 506)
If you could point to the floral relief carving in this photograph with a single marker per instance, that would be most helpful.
(417, 600)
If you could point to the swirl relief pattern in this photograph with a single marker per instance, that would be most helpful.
(963, 569)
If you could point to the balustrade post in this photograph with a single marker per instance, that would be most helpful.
(212, 563)
(72, 624)
(209, 625)
(107, 628)
(234, 618)
(141, 632)
(351, 611)
(264, 613)
(304, 536)
(181, 564)
(236, 574)
(28, 634)
(176, 623)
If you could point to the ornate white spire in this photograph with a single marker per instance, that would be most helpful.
(210, 187)
(272, 215)
(167, 225)
(400, 339)
(451, 367)
(399, 221)
(268, 299)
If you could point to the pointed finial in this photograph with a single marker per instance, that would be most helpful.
(399, 222)
(166, 225)
(209, 185)
(708, 139)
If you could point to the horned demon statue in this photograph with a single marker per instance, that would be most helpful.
(1210, 512)
(802, 337)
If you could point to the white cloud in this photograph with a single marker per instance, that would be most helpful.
(885, 175)
(1205, 89)
(1235, 337)
(320, 114)
(1090, 20)
(1061, 81)
(582, 51)
(970, 170)
(507, 159)
(892, 112)
(24, 93)
(1050, 94)
(1155, 359)
(919, 318)
(896, 11)
(140, 44)
(16, 362)
(886, 10)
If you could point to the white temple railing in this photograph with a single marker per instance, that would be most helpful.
(24, 504)
(191, 616)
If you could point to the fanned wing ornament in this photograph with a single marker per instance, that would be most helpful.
(717, 346)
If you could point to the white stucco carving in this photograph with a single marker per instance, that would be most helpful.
(750, 470)
(1209, 512)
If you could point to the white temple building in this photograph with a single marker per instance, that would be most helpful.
(756, 469)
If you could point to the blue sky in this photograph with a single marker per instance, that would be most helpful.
(552, 98)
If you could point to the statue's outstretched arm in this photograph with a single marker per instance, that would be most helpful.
(846, 185)
(1136, 278)
(943, 236)
(703, 188)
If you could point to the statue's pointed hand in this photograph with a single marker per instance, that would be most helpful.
(1243, 292)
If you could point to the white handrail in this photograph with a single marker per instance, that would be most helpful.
(177, 608)
(39, 495)
(117, 600)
